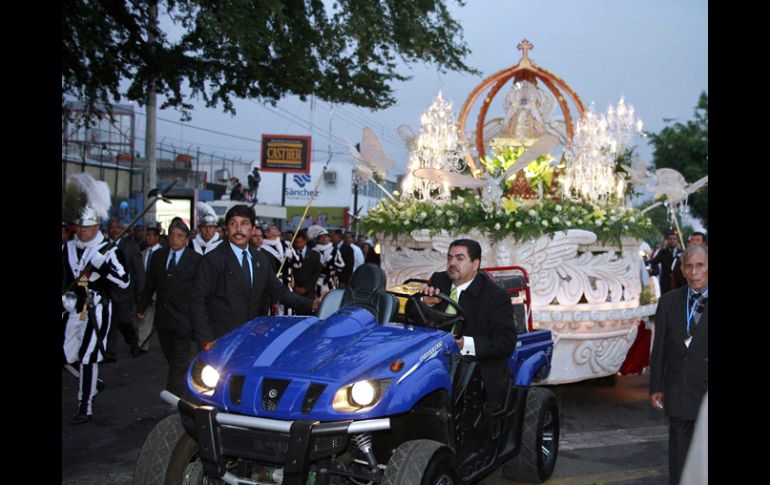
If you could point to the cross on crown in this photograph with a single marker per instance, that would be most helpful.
(525, 46)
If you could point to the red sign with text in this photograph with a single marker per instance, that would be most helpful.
(285, 153)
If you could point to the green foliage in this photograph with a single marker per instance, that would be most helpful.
(647, 296)
(540, 169)
(684, 147)
(516, 219)
(344, 52)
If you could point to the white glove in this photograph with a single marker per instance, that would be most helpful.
(69, 300)
(98, 259)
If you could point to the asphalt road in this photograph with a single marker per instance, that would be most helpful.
(610, 435)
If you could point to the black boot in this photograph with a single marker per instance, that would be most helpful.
(80, 419)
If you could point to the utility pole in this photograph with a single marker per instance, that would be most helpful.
(354, 222)
(151, 164)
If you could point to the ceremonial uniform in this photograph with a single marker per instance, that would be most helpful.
(86, 309)
(276, 250)
(206, 217)
(202, 247)
(331, 265)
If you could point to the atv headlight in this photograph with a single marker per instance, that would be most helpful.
(209, 376)
(204, 377)
(360, 395)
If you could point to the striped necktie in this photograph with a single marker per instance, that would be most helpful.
(697, 303)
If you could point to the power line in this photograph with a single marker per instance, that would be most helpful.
(303, 123)
(385, 132)
(258, 141)
(206, 129)
(359, 124)
(364, 123)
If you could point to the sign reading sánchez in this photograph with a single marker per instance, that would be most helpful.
(285, 153)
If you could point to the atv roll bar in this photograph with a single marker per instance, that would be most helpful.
(490, 271)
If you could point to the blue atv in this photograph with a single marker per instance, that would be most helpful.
(350, 396)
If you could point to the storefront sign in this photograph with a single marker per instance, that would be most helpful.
(285, 153)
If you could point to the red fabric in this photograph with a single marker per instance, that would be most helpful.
(638, 356)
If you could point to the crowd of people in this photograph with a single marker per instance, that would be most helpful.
(665, 260)
(192, 288)
(179, 283)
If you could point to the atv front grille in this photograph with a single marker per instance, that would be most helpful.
(272, 447)
(313, 393)
(272, 390)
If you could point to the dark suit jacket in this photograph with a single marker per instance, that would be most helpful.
(681, 373)
(665, 258)
(677, 277)
(172, 300)
(306, 276)
(489, 320)
(134, 266)
(221, 298)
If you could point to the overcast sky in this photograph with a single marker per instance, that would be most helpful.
(653, 52)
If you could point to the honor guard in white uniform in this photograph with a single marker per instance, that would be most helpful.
(88, 273)
(207, 238)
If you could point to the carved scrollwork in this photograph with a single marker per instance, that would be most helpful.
(565, 268)
(606, 355)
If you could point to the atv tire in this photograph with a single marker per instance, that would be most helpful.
(421, 462)
(539, 439)
(156, 451)
(185, 466)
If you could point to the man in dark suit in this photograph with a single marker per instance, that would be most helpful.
(171, 277)
(124, 300)
(489, 333)
(347, 256)
(233, 279)
(666, 258)
(307, 267)
(677, 277)
(679, 361)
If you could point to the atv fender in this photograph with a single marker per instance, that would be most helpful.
(529, 368)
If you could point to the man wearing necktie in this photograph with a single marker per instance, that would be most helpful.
(170, 280)
(152, 240)
(234, 279)
(489, 335)
(679, 361)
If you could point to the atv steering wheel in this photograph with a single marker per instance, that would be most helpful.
(432, 318)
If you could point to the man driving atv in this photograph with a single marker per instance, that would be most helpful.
(489, 333)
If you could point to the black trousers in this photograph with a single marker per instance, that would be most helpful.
(679, 438)
(178, 352)
(123, 319)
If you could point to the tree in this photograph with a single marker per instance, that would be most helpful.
(684, 147)
(257, 49)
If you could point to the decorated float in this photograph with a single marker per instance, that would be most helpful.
(563, 216)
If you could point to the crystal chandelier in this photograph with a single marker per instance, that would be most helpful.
(592, 154)
(436, 146)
